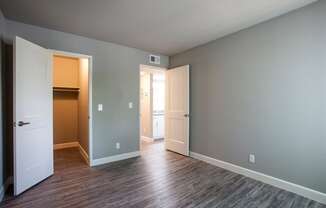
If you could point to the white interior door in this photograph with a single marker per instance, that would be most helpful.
(177, 110)
(33, 131)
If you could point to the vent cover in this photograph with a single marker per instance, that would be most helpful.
(153, 59)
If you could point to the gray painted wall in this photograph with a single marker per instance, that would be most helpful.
(115, 84)
(263, 91)
(2, 31)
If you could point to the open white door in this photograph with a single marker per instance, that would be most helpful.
(33, 131)
(177, 110)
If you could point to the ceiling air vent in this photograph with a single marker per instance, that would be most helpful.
(154, 59)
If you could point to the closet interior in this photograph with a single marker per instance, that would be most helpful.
(70, 103)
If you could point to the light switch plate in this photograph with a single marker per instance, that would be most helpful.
(130, 105)
(100, 107)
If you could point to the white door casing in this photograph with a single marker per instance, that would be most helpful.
(177, 110)
(33, 129)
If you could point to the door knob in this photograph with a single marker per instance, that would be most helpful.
(22, 123)
(186, 115)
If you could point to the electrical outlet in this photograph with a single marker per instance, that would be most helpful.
(117, 145)
(252, 158)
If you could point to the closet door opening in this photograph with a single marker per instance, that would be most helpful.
(71, 110)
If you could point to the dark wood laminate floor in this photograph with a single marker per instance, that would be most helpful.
(156, 179)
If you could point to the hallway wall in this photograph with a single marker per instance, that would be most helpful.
(146, 105)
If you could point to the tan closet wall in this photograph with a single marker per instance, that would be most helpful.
(83, 104)
(145, 104)
(65, 103)
(66, 72)
(65, 117)
(70, 100)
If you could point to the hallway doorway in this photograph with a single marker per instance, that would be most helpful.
(152, 104)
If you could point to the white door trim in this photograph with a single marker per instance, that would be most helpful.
(90, 95)
(153, 69)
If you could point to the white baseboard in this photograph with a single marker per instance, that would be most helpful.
(114, 158)
(65, 145)
(4, 187)
(147, 139)
(84, 154)
(282, 184)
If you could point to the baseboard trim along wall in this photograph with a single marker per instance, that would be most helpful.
(84, 154)
(147, 139)
(279, 183)
(114, 158)
(65, 145)
(4, 187)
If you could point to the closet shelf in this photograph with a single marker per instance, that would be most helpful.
(66, 89)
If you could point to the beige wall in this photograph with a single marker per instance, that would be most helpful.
(65, 104)
(65, 117)
(83, 104)
(65, 73)
(145, 104)
(70, 108)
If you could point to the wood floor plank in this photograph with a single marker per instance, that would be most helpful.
(158, 178)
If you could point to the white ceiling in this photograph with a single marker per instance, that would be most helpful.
(160, 26)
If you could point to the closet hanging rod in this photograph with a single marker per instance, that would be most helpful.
(65, 89)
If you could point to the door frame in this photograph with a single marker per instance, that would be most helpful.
(90, 95)
(148, 68)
